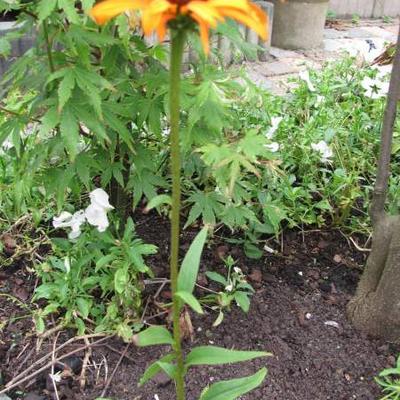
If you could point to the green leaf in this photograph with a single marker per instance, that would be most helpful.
(168, 368)
(101, 262)
(69, 8)
(45, 8)
(153, 336)
(84, 306)
(213, 355)
(65, 89)
(189, 299)
(49, 121)
(390, 371)
(158, 201)
(87, 4)
(70, 132)
(39, 323)
(121, 279)
(242, 300)
(83, 169)
(190, 265)
(216, 277)
(155, 368)
(232, 389)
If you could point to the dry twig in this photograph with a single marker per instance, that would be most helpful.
(28, 377)
(88, 354)
(104, 392)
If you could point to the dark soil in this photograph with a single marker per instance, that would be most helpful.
(297, 313)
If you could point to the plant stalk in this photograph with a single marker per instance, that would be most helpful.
(382, 178)
(48, 47)
(177, 45)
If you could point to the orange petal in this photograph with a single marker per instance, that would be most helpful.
(256, 20)
(204, 36)
(152, 15)
(108, 9)
(162, 26)
(239, 4)
(204, 11)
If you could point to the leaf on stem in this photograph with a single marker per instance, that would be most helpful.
(155, 368)
(232, 389)
(213, 355)
(190, 300)
(153, 336)
(190, 265)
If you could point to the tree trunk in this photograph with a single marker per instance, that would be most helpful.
(375, 308)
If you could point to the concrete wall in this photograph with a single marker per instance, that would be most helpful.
(366, 8)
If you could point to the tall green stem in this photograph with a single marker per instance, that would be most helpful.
(48, 46)
(178, 41)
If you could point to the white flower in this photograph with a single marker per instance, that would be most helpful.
(63, 220)
(100, 198)
(229, 288)
(323, 148)
(237, 270)
(383, 70)
(305, 76)
(96, 212)
(374, 88)
(275, 122)
(272, 147)
(67, 220)
(97, 216)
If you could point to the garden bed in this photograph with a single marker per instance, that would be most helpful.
(297, 313)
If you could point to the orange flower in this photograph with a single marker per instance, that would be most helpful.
(207, 14)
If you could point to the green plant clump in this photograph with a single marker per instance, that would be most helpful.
(389, 381)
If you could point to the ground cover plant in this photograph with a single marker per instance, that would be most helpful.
(388, 380)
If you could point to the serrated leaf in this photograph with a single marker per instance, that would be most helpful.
(158, 201)
(49, 121)
(191, 263)
(87, 4)
(234, 388)
(65, 89)
(45, 8)
(83, 169)
(69, 8)
(213, 355)
(190, 300)
(70, 132)
(153, 336)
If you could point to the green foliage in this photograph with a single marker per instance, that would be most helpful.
(202, 355)
(96, 280)
(234, 388)
(235, 289)
(389, 381)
